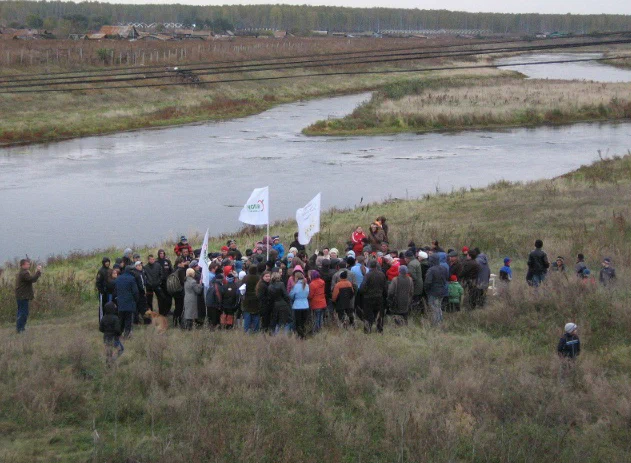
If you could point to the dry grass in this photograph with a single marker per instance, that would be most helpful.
(490, 103)
(486, 387)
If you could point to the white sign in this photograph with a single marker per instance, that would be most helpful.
(256, 209)
(308, 219)
(204, 261)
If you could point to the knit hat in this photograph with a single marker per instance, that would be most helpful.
(194, 263)
(298, 268)
(274, 238)
(607, 260)
(453, 278)
(183, 238)
(225, 248)
(315, 275)
(403, 270)
(293, 250)
(334, 250)
(109, 308)
(290, 256)
(137, 263)
(507, 260)
(127, 252)
(105, 259)
(409, 253)
(350, 253)
(452, 254)
(465, 249)
(423, 255)
(569, 327)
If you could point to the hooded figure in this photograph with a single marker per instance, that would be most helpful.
(400, 293)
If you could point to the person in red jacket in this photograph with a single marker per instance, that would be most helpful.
(357, 238)
(393, 271)
(183, 244)
(317, 299)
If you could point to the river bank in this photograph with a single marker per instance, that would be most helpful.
(488, 381)
(457, 104)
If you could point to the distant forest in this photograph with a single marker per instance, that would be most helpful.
(81, 17)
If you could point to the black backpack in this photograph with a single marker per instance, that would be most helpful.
(174, 285)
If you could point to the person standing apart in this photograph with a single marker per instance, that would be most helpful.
(24, 291)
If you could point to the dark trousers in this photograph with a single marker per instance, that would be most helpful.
(179, 308)
(126, 319)
(301, 317)
(373, 311)
(342, 313)
(213, 314)
(165, 301)
(22, 316)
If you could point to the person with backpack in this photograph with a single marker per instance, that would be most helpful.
(230, 300)
(538, 265)
(175, 286)
(299, 297)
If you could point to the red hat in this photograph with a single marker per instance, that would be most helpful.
(453, 278)
(465, 249)
(225, 248)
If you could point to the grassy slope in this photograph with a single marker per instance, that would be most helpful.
(484, 388)
(455, 104)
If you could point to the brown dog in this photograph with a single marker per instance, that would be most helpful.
(160, 322)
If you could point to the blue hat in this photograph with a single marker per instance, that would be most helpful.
(274, 238)
(506, 260)
(183, 238)
(586, 271)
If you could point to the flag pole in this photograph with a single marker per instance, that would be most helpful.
(267, 247)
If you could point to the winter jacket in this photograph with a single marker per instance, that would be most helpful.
(358, 242)
(262, 294)
(230, 297)
(442, 259)
(154, 275)
(506, 273)
(343, 295)
(579, 267)
(297, 245)
(280, 249)
(436, 278)
(191, 290)
(569, 346)
(126, 291)
(607, 275)
(24, 284)
(317, 298)
(374, 285)
(167, 268)
(250, 302)
(101, 279)
(469, 274)
(456, 268)
(393, 271)
(455, 292)
(375, 239)
(400, 294)
(538, 263)
(484, 275)
(326, 274)
(214, 294)
(110, 326)
(416, 273)
(299, 296)
(351, 278)
(180, 246)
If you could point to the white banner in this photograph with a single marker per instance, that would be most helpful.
(256, 209)
(308, 219)
(204, 261)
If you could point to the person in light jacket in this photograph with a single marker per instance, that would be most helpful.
(299, 296)
(191, 290)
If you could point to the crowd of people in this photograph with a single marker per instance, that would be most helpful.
(276, 289)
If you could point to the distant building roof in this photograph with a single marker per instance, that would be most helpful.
(123, 32)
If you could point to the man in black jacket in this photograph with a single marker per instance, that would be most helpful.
(153, 271)
(165, 300)
(374, 290)
(538, 265)
(101, 283)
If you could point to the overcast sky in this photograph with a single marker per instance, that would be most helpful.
(499, 6)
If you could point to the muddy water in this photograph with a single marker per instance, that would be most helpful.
(143, 186)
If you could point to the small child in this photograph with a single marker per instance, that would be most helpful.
(569, 345)
(607, 272)
(506, 273)
(456, 294)
(110, 326)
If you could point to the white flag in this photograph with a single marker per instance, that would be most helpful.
(308, 219)
(204, 261)
(256, 209)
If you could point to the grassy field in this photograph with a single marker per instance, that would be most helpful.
(456, 104)
(42, 117)
(487, 386)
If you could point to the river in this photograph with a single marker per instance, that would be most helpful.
(144, 186)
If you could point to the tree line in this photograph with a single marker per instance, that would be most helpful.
(81, 17)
